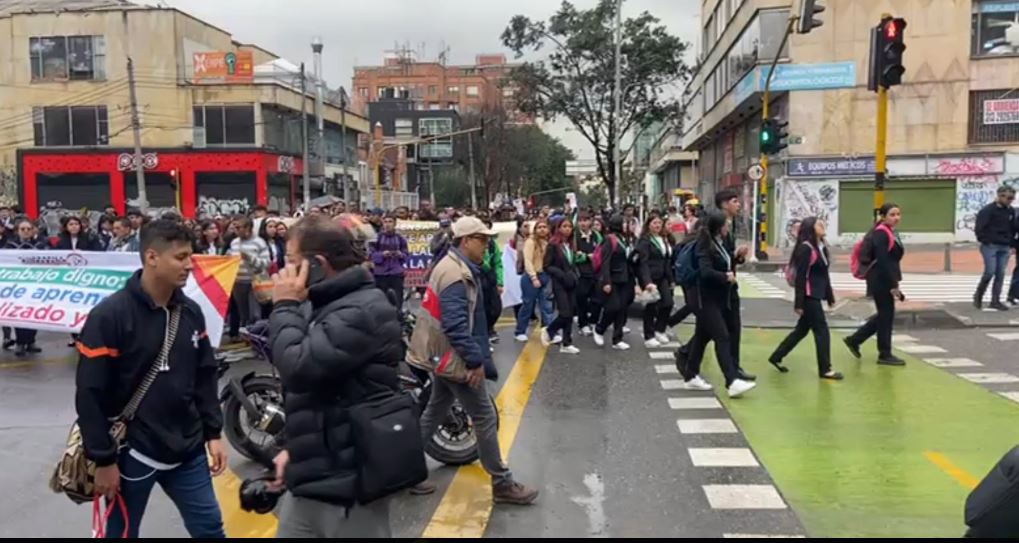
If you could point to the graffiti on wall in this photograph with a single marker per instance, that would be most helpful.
(802, 199)
(971, 195)
(154, 212)
(213, 207)
(52, 212)
(8, 186)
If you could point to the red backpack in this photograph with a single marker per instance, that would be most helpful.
(596, 261)
(862, 259)
(790, 271)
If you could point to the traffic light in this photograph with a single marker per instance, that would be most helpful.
(773, 136)
(887, 46)
(807, 22)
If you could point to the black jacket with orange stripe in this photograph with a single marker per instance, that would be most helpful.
(119, 343)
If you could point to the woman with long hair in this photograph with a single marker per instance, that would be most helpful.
(654, 252)
(883, 279)
(209, 242)
(616, 281)
(810, 260)
(589, 298)
(559, 263)
(73, 237)
(277, 246)
(716, 303)
(534, 282)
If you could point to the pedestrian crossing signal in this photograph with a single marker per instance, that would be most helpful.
(773, 136)
(886, 52)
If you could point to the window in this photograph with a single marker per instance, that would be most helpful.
(434, 106)
(994, 116)
(79, 58)
(453, 90)
(225, 125)
(440, 147)
(66, 126)
(472, 90)
(363, 91)
(404, 128)
(433, 90)
(508, 92)
(453, 106)
(994, 22)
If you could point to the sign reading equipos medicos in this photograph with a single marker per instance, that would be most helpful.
(827, 167)
(1001, 111)
(219, 66)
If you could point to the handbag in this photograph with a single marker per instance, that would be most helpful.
(261, 286)
(648, 296)
(387, 444)
(74, 474)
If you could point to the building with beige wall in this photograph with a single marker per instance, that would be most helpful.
(953, 130)
(215, 142)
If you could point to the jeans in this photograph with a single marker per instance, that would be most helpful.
(188, 485)
(478, 404)
(304, 518)
(532, 295)
(995, 264)
(812, 319)
(1013, 291)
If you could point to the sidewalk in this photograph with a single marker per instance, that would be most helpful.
(961, 258)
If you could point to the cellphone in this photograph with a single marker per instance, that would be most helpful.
(315, 272)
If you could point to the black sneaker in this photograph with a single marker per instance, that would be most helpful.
(854, 349)
(680, 356)
(978, 301)
(20, 351)
(493, 337)
(890, 360)
(33, 348)
(999, 306)
(8, 343)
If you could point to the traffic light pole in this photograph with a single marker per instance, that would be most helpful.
(762, 197)
(880, 157)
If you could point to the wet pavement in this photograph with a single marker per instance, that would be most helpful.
(617, 451)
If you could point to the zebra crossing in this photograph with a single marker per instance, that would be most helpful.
(947, 288)
(752, 286)
(968, 367)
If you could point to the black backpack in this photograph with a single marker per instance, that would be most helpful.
(387, 442)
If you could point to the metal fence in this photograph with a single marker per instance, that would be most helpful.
(389, 200)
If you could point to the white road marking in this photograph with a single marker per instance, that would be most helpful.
(1005, 337)
(724, 458)
(989, 378)
(761, 536)
(952, 362)
(666, 369)
(660, 355)
(672, 384)
(743, 497)
(1014, 396)
(695, 403)
(904, 338)
(706, 426)
(594, 505)
(669, 345)
(920, 349)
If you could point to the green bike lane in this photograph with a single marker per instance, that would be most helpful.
(888, 452)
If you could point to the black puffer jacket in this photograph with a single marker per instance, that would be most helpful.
(345, 351)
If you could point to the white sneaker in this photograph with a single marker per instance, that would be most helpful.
(626, 329)
(586, 331)
(569, 349)
(491, 349)
(671, 334)
(546, 339)
(558, 339)
(621, 346)
(662, 338)
(740, 387)
(652, 343)
(697, 383)
(599, 339)
(522, 338)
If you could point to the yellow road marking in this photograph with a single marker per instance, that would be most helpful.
(967, 481)
(467, 504)
(238, 522)
(29, 363)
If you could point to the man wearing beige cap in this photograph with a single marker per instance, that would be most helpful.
(452, 327)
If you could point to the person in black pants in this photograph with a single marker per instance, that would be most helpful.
(717, 311)
(25, 239)
(686, 310)
(883, 285)
(589, 297)
(654, 250)
(559, 265)
(616, 281)
(813, 287)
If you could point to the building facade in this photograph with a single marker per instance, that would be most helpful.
(220, 120)
(436, 86)
(953, 130)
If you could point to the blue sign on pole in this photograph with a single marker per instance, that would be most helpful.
(793, 77)
(811, 167)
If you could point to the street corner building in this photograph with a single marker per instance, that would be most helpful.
(952, 123)
(219, 121)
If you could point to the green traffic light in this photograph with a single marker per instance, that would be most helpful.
(765, 136)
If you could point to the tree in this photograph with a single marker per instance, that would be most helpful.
(577, 77)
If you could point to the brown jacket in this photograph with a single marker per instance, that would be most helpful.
(430, 350)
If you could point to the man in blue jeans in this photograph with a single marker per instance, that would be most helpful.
(995, 230)
(179, 418)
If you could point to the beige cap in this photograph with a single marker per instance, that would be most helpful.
(470, 226)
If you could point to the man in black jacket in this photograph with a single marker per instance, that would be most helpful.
(180, 415)
(1013, 290)
(332, 353)
(995, 230)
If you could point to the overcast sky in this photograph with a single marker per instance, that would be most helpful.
(359, 32)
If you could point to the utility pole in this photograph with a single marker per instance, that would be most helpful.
(136, 126)
(343, 142)
(320, 142)
(617, 91)
(304, 140)
(474, 183)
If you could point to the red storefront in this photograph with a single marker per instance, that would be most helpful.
(198, 181)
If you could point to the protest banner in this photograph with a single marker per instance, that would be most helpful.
(56, 290)
(419, 237)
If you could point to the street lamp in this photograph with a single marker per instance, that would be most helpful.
(316, 49)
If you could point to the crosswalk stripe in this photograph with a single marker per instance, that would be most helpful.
(952, 362)
(660, 355)
(706, 426)
(1014, 396)
(989, 378)
(739, 457)
(761, 536)
(666, 369)
(1005, 337)
(695, 403)
(921, 349)
(743, 497)
(672, 384)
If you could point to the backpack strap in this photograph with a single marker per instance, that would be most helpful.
(891, 235)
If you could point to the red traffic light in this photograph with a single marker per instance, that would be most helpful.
(891, 30)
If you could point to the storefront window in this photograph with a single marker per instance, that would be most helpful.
(994, 22)
(225, 193)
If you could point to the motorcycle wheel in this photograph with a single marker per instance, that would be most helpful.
(454, 443)
(238, 427)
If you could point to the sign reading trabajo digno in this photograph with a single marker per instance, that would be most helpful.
(222, 66)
